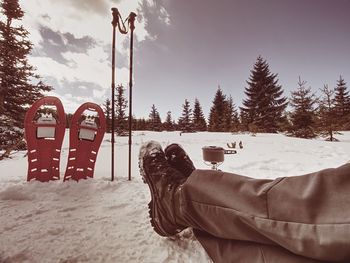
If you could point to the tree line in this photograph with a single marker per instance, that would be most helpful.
(265, 109)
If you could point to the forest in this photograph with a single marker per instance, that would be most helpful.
(264, 110)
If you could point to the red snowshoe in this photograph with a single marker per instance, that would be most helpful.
(44, 132)
(86, 134)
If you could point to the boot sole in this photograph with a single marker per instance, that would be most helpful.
(185, 171)
(153, 211)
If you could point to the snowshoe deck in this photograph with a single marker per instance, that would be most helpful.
(86, 134)
(44, 136)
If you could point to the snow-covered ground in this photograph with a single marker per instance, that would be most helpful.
(97, 220)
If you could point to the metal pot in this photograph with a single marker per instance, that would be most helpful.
(213, 154)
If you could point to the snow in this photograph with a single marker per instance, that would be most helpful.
(97, 220)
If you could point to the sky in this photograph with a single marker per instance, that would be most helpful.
(185, 49)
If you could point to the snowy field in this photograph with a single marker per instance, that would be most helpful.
(97, 220)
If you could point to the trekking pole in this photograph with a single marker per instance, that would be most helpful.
(115, 15)
(117, 21)
(132, 17)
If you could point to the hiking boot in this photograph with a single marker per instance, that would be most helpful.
(163, 181)
(178, 158)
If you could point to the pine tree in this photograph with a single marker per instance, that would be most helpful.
(120, 107)
(217, 111)
(264, 104)
(326, 113)
(168, 124)
(199, 122)
(20, 87)
(244, 121)
(134, 123)
(231, 116)
(175, 125)
(143, 124)
(185, 121)
(303, 115)
(108, 112)
(140, 124)
(284, 124)
(342, 102)
(155, 122)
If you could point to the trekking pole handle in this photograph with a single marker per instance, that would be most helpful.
(115, 14)
(131, 20)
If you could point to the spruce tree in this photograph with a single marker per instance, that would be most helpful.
(185, 121)
(155, 122)
(168, 124)
(326, 114)
(120, 107)
(175, 126)
(231, 116)
(140, 124)
(244, 121)
(20, 86)
(108, 112)
(199, 122)
(303, 114)
(342, 103)
(284, 124)
(134, 123)
(265, 104)
(217, 112)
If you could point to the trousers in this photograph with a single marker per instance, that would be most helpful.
(302, 218)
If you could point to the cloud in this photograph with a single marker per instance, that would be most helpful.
(72, 44)
(87, 75)
(121, 58)
(154, 16)
(95, 6)
(70, 103)
(55, 43)
(79, 17)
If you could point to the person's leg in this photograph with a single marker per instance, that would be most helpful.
(229, 250)
(236, 251)
(309, 215)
